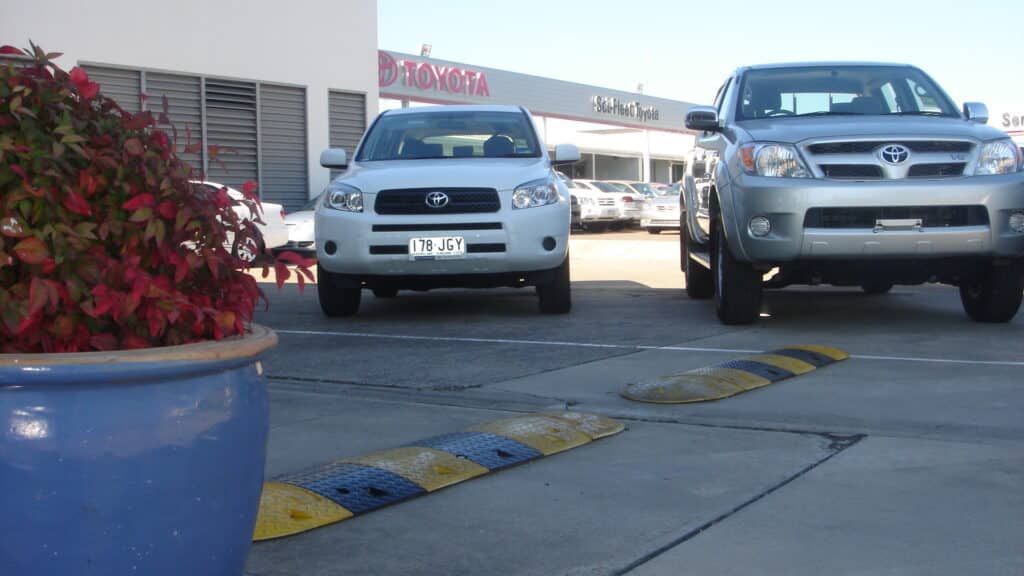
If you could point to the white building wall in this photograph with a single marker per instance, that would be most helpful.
(317, 44)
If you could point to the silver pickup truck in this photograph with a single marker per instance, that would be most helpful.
(851, 174)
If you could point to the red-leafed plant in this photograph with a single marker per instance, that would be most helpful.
(105, 242)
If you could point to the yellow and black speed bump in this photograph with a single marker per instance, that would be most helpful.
(342, 489)
(733, 377)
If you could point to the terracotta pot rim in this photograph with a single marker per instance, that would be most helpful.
(257, 341)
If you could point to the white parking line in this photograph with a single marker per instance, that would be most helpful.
(628, 346)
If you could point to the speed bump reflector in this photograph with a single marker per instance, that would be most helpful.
(733, 377)
(338, 490)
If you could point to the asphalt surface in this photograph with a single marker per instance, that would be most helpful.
(907, 458)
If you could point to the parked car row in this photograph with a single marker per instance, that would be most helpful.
(912, 191)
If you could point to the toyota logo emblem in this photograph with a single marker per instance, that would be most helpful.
(437, 199)
(895, 153)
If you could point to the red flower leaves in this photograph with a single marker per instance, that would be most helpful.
(86, 89)
(105, 242)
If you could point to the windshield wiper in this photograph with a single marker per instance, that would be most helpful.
(829, 113)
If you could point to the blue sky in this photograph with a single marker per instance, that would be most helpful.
(684, 49)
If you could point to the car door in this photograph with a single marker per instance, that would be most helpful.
(712, 145)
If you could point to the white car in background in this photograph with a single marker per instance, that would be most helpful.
(272, 231)
(661, 212)
(628, 204)
(301, 229)
(444, 197)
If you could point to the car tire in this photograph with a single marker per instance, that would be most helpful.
(994, 295)
(249, 250)
(654, 230)
(555, 297)
(700, 284)
(738, 285)
(385, 292)
(875, 288)
(336, 301)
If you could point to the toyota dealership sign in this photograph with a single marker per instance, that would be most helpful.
(429, 77)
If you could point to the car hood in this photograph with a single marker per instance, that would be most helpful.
(498, 173)
(797, 130)
(301, 217)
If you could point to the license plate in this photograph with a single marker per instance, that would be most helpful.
(437, 248)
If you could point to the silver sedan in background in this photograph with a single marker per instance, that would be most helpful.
(661, 212)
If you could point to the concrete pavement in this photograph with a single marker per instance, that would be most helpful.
(905, 459)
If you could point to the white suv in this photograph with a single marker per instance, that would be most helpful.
(445, 196)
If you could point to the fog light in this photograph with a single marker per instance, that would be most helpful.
(1017, 222)
(549, 243)
(760, 226)
(330, 247)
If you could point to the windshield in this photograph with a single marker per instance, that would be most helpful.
(605, 186)
(467, 134)
(643, 188)
(668, 191)
(840, 90)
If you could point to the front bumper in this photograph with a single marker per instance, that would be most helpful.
(630, 211)
(786, 202)
(597, 213)
(660, 218)
(370, 244)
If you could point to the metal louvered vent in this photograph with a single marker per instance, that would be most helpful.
(347, 119)
(231, 128)
(185, 109)
(15, 60)
(284, 168)
(119, 84)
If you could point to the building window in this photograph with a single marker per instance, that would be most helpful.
(232, 131)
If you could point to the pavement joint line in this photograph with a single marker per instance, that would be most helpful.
(457, 401)
(636, 347)
(835, 449)
(569, 406)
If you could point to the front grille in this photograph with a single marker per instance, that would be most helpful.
(867, 217)
(852, 171)
(943, 170)
(606, 201)
(431, 227)
(460, 201)
(481, 248)
(863, 147)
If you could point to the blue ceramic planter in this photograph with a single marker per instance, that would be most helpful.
(144, 462)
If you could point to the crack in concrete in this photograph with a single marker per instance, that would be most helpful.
(838, 445)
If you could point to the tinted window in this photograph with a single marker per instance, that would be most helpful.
(853, 90)
(467, 134)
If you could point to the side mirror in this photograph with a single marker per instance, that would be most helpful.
(976, 112)
(703, 119)
(565, 154)
(333, 158)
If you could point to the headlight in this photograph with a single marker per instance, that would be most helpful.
(535, 193)
(776, 160)
(999, 157)
(343, 197)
